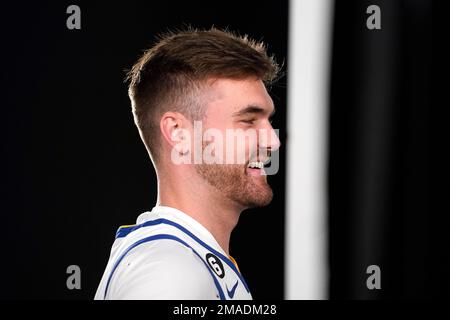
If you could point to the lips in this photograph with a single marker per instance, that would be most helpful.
(256, 165)
(256, 168)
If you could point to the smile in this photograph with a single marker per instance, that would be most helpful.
(256, 165)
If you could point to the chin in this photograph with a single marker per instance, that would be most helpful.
(260, 200)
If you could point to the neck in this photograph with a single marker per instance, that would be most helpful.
(202, 202)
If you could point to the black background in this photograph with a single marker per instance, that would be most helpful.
(380, 100)
(73, 166)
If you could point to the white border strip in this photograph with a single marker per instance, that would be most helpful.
(306, 265)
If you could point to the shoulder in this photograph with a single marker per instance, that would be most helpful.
(162, 269)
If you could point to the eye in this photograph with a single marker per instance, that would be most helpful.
(248, 121)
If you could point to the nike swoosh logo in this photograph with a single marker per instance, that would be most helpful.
(233, 290)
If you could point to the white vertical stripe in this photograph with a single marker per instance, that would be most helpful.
(308, 69)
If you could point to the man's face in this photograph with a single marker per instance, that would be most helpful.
(240, 109)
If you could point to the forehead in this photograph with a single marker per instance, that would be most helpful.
(228, 96)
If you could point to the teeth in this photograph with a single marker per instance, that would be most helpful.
(256, 164)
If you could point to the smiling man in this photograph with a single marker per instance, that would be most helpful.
(180, 249)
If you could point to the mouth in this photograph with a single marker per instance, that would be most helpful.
(256, 168)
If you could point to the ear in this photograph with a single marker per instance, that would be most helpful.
(173, 126)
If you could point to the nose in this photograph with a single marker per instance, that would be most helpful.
(268, 139)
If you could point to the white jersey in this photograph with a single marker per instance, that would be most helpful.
(169, 255)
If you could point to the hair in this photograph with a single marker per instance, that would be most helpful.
(170, 75)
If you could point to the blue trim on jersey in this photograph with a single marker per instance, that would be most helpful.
(122, 232)
(159, 237)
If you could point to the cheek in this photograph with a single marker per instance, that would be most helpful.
(244, 145)
(217, 117)
(251, 144)
(219, 122)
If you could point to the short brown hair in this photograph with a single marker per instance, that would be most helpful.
(168, 76)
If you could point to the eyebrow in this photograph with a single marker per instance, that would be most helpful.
(252, 109)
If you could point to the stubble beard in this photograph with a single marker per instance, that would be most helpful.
(234, 183)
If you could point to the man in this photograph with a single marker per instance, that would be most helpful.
(215, 81)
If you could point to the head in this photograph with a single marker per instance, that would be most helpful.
(219, 80)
